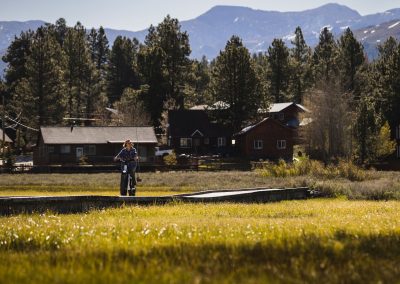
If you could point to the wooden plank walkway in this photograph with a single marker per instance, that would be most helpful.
(75, 204)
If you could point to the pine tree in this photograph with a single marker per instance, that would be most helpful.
(351, 58)
(16, 56)
(150, 64)
(366, 126)
(300, 61)
(278, 73)
(122, 68)
(81, 76)
(176, 63)
(325, 57)
(388, 66)
(200, 82)
(235, 83)
(61, 30)
(40, 96)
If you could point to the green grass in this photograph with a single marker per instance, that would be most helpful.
(320, 241)
(378, 186)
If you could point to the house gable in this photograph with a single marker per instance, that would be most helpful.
(266, 139)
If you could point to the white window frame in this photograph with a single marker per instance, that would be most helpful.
(258, 144)
(221, 141)
(65, 149)
(281, 144)
(185, 142)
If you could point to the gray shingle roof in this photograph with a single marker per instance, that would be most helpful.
(97, 135)
(8, 140)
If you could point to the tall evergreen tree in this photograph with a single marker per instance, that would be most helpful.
(388, 66)
(174, 43)
(16, 56)
(325, 57)
(61, 30)
(80, 73)
(39, 97)
(351, 58)
(300, 61)
(150, 64)
(278, 73)
(200, 82)
(235, 83)
(122, 68)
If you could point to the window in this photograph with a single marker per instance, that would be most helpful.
(398, 151)
(186, 142)
(65, 149)
(206, 141)
(50, 149)
(398, 132)
(258, 144)
(89, 150)
(281, 116)
(281, 144)
(221, 141)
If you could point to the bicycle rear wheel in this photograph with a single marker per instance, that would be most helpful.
(123, 184)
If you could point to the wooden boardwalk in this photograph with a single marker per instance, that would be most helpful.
(75, 204)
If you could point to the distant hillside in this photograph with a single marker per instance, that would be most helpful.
(210, 31)
(377, 34)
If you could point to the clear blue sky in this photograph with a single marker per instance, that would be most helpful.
(139, 14)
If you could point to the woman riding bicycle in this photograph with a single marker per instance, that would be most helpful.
(129, 157)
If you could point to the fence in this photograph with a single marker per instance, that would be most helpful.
(208, 165)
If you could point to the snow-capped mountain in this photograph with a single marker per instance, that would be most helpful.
(374, 35)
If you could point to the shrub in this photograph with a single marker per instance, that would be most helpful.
(170, 160)
(305, 166)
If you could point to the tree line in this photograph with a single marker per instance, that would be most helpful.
(59, 73)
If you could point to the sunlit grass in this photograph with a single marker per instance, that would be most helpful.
(378, 186)
(312, 241)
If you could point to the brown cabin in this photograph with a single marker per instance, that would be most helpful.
(192, 132)
(268, 139)
(97, 145)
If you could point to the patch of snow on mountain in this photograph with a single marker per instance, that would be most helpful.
(378, 40)
(344, 27)
(392, 26)
(372, 31)
(236, 19)
(365, 32)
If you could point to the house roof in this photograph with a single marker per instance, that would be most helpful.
(251, 127)
(97, 135)
(7, 139)
(278, 107)
(220, 105)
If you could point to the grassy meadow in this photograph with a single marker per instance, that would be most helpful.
(372, 185)
(319, 240)
(352, 236)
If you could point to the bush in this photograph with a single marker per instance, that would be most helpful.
(170, 160)
(305, 166)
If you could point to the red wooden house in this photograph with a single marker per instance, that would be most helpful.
(268, 139)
